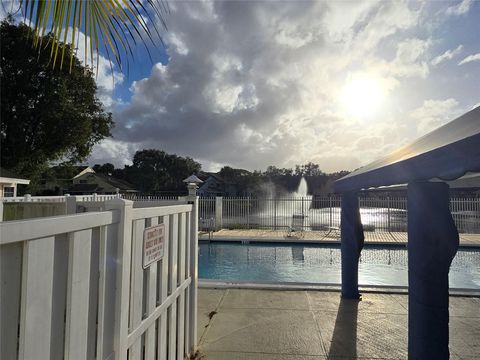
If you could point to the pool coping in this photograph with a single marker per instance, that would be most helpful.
(292, 286)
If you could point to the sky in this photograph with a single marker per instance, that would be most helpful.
(255, 83)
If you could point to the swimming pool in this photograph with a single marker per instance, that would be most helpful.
(319, 263)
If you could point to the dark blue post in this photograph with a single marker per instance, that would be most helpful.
(352, 244)
(432, 244)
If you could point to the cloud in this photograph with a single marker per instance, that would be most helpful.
(106, 74)
(115, 152)
(447, 55)
(470, 58)
(460, 9)
(251, 84)
(12, 7)
(410, 59)
(435, 113)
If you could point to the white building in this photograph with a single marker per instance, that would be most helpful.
(9, 182)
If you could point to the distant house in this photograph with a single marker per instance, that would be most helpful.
(214, 185)
(91, 182)
(58, 179)
(9, 182)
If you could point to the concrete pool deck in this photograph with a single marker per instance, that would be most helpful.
(322, 237)
(292, 325)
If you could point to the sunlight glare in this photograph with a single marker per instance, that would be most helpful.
(362, 96)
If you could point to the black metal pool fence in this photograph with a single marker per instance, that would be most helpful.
(387, 214)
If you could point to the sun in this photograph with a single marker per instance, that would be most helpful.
(362, 96)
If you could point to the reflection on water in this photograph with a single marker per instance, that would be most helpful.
(321, 264)
(373, 218)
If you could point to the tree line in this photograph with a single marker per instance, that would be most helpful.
(155, 172)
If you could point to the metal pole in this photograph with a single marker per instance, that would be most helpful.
(275, 214)
(388, 213)
(248, 212)
(352, 240)
(432, 244)
(331, 214)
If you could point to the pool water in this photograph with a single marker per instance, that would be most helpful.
(262, 262)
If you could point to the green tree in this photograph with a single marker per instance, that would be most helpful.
(46, 114)
(106, 169)
(229, 173)
(309, 169)
(155, 171)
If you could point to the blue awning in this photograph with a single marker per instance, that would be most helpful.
(446, 153)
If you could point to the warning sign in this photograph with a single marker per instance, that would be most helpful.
(153, 244)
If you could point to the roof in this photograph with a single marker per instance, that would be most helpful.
(446, 153)
(81, 188)
(118, 183)
(7, 174)
(66, 172)
(468, 182)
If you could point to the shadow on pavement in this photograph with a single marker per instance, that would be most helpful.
(344, 337)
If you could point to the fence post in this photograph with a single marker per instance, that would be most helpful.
(331, 214)
(27, 209)
(122, 295)
(70, 204)
(275, 213)
(1, 210)
(218, 212)
(193, 291)
(388, 213)
(248, 212)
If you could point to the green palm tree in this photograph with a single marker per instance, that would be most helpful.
(116, 26)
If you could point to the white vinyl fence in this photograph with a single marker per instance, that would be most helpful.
(74, 287)
(387, 214)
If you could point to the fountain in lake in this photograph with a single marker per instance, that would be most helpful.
(278, 212)
(302, 188)
(301, 199)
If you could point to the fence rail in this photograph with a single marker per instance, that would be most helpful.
(378, 214)
(322, 213)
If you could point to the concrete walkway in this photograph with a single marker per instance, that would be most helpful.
(372, 237)
(239, 324)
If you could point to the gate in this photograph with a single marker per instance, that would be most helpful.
(74, 286)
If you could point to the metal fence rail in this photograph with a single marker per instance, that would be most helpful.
(387, 214)
(321, 213)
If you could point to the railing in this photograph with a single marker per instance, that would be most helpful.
(378, 214)
(60, 199)
(387, 214)
(150, 197)
(74, 287)
(207, 212)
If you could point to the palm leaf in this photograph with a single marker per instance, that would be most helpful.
(113, 26)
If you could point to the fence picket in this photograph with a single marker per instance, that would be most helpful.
(60, 279)
(180, 279)
(136, 286)
(172, 284)
(78, 290)
(36, 305)
(10, 278)
(163, 292)
(151, 301)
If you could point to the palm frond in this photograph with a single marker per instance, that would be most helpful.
(111, 25)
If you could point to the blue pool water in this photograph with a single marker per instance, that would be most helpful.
(265, 262)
